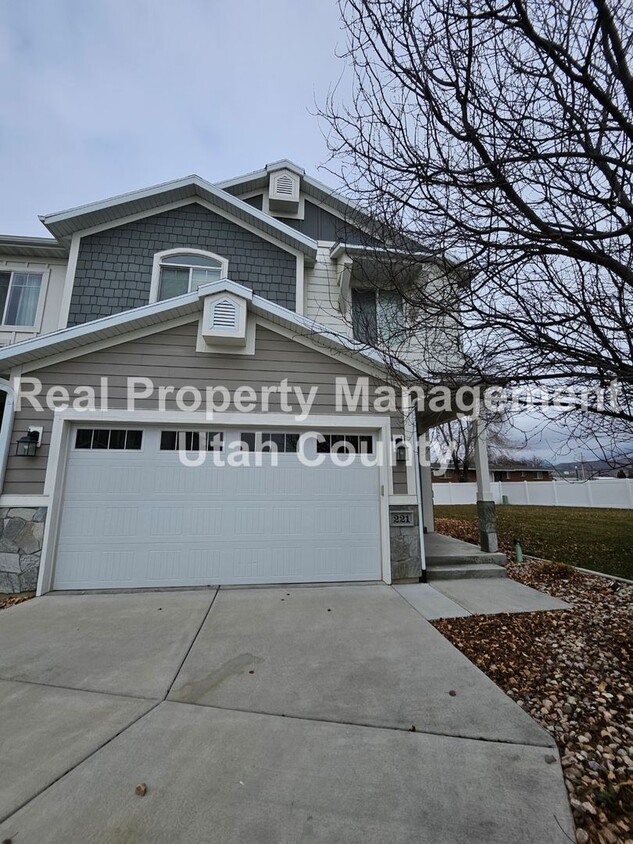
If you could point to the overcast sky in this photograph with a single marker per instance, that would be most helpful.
(98, 97)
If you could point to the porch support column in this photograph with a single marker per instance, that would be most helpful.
(426, 482)
(485, 500)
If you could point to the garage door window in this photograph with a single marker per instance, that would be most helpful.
(191, 441)
(112, 439)
(282, 443)
(346, 444)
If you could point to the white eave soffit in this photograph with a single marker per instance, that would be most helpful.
(146, 202)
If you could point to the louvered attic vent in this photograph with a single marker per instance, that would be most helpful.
(284, 185)
(225, 315)
(283, 192)
(223, 321)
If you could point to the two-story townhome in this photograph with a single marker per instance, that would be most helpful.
(180, 374)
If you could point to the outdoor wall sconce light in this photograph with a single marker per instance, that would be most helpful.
(401, 451)
(28, 445)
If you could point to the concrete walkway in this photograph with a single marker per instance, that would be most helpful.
(265, 715)
(456, 598)
(449, 558)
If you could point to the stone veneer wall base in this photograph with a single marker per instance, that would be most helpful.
(406, 561)
(21, 538)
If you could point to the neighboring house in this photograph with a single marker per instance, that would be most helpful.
(497, 473)
(190, 285)
(520, 473)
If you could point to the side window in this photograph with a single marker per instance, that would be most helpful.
(377, 317)
(19, 297)
(390, 317)
(364, 324)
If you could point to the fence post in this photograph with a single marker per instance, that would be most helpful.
(527, 492)
(555, 491)
(589, 494)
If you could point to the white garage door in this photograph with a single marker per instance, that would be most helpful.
(133, 515)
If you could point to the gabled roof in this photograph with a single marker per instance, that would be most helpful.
(63, 224)
(323, 194)
(118, 326)
(32, 247)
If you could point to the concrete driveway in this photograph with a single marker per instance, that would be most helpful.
(306, 714)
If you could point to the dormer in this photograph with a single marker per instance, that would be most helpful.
(225, 326)
(284, 191)
(224, 319)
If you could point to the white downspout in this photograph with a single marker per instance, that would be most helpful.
(6, 428)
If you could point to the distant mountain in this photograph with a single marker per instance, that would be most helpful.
(594, 468)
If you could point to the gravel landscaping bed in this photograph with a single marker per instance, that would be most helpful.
(572, 670)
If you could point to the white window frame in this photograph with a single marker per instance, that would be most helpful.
(159, 257)
(44, 273)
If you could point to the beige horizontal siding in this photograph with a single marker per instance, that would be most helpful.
(169, 359)
(321, 302)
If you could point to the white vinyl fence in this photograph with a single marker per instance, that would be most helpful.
(601, 492)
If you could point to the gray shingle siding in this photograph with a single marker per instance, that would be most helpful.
(114, 267)
(319, 224)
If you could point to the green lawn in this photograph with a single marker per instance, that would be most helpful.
(596, 539)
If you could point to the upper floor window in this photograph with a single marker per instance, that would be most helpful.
(182, 272)
(377, 317)
(19, 297)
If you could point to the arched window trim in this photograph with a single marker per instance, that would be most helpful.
(159, 257)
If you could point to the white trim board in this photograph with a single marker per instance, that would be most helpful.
(194, 183)
(335, 345)
(195, 200)
(71, 269)
(137, 334)
(69, 281)
(24, 500)
(109, 342)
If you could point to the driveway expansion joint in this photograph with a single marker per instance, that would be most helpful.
(84, 759)
(389, 727)
(41, 683)
(191, 644)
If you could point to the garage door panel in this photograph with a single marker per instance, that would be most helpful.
(200, 566)
(185, 520)
(105, 476)
(144, 519)
(127, 568)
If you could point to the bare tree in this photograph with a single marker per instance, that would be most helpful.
(494, 140)
(457, 438)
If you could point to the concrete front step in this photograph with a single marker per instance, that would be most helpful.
(463, 570)
(476, 558)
